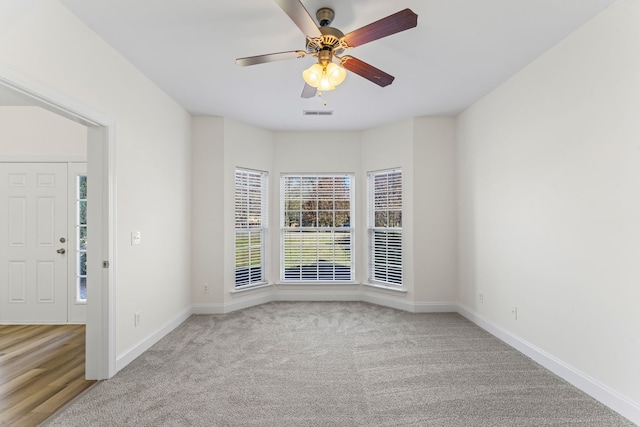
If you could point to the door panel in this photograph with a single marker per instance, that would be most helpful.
(17, 282)
(17, 221)
(33, 259)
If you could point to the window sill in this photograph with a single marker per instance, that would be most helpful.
(378, 286)
(251, 288)
(337, 285)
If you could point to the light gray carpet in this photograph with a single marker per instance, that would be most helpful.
(333, 364)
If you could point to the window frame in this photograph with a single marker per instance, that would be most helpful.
(80, 249)
(380, 270)
(350, 230)
(246, 228)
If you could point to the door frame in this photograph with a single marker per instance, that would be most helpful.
(101, 169)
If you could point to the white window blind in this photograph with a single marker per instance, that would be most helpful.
(250, 227)
(385, 227)
(317, 228)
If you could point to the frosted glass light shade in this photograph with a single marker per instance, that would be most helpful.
(335, 73)
(324, 78)
(312, 75)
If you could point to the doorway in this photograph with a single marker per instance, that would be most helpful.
(100, 318)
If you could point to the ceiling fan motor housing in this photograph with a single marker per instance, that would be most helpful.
(331, 39)
(325, 16)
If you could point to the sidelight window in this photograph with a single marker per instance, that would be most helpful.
(81, 238)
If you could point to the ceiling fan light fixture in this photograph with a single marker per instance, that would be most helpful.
(325, 85)
(324, 77)
(335, 73)
(313, 75)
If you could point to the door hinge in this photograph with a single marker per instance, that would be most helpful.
(105, 264)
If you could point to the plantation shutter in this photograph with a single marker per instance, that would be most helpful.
(250, 227)
(385, 227)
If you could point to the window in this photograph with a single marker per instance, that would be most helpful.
(250, 227)
(317, 228)
(385, 227)
(81, 238)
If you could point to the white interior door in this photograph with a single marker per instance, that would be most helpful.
(33, 242)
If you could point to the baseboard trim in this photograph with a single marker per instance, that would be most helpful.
(131, 354)
(430, 307)
(240, 304)
(389, 298)
(317, 296)
(212, 308)
(435, 307)
(247, 302)
(395, 303)
(604, 394)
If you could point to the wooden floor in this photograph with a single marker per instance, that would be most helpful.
(41, 369)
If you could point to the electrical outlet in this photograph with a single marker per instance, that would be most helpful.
(205, 289)
(480, 297)
(136, 319)
(136, 237)
(514, 312)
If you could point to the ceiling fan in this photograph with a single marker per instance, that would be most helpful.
(325, 43)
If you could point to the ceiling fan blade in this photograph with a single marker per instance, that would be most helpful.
(300, 16)
(308, 91)
(270, 57)
(367, 71)
(399, 21)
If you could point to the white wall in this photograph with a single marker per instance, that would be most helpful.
(388, 147)
(207, 215)
(52, 47)
(435, 206)
(28, 131)
(549, 206)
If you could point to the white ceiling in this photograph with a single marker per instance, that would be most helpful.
(460, 50)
